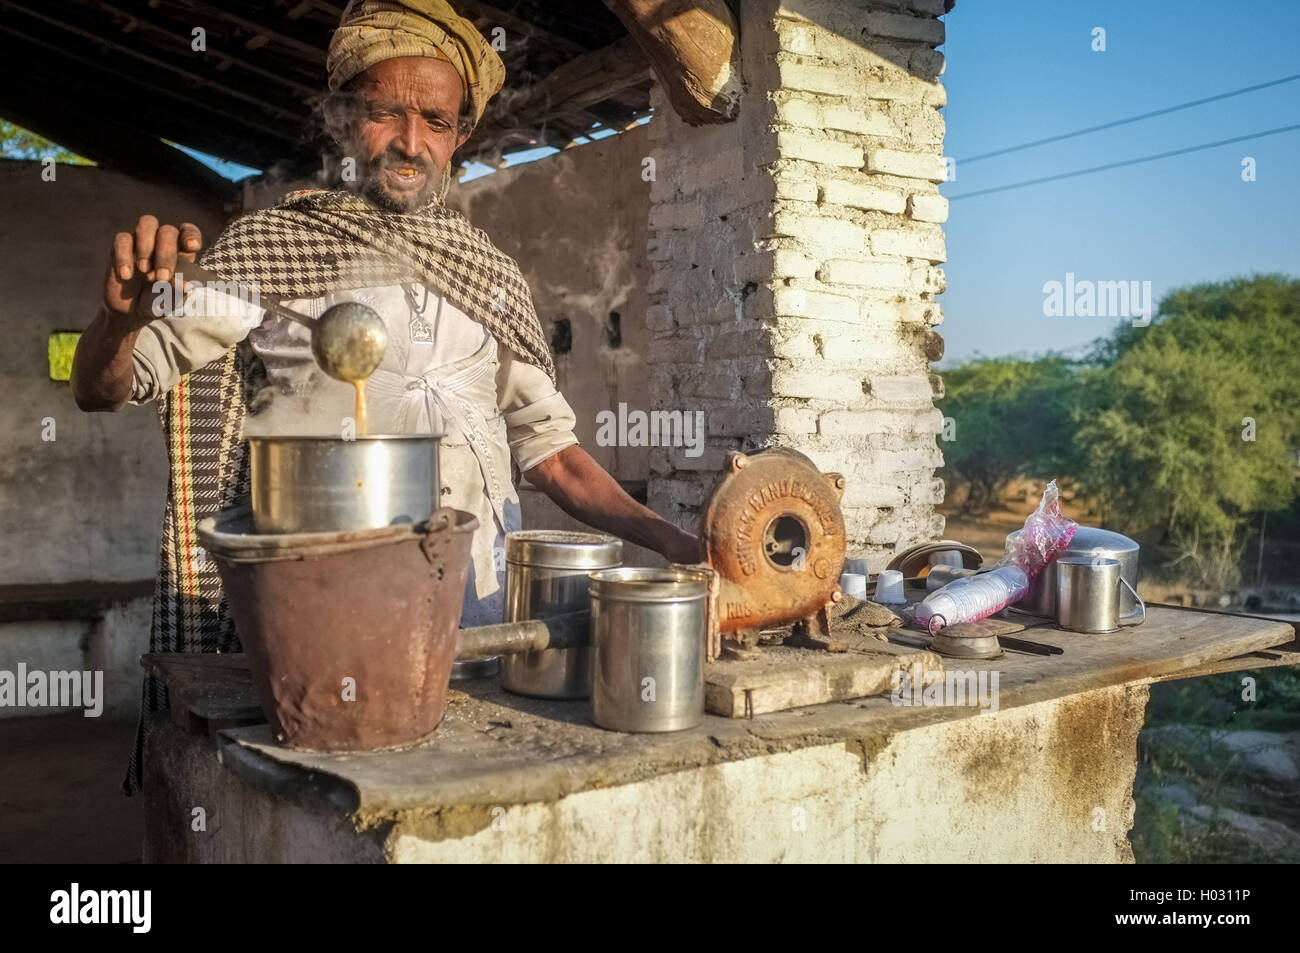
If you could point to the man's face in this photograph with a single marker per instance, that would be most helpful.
(408, 129)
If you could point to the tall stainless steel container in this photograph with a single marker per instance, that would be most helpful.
(546, 575)
(649, 627)
(1088, 541)
(327, 484)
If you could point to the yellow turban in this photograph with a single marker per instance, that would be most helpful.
(375, 30)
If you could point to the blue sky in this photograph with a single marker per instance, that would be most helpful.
(1020, 70)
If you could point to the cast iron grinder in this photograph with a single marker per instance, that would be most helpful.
(774, 535)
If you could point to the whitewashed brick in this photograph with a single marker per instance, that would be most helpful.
(799, 302)
(820, 231)
(792, 145)
(900, 390)
(856, 195)
(848, 423)
(795, 420)
(909, 165)
(864, 491)
(930, 422)
(909, 244)
(888, 314)
(797, 190)
(931, 492)
(815, 384)
(866, 274)
(927, 208)
(811, 78)
(926, 279)
(903, 27)
(861, 119)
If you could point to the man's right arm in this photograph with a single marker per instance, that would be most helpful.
(103, 369)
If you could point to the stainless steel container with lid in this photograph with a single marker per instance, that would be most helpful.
(1088, 541)
(650, 629)
(325, 484)
(546, 575)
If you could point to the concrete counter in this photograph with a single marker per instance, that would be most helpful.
(1046, 777)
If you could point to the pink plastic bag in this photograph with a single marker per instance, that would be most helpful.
(1046, 534)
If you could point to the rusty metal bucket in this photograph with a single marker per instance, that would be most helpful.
(350, 636)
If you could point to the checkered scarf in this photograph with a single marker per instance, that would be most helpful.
(312, 244)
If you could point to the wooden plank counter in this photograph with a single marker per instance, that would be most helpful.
(500, 748)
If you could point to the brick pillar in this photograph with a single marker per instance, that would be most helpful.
(795, 254)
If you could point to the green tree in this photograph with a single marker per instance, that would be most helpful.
(1009, 417)
(1190, 425)
(19, 143)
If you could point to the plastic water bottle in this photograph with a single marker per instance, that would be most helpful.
(972, 597)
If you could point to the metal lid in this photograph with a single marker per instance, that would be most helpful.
(1092, 540)
(562, 549)
(634, 584)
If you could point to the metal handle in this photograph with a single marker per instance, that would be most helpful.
(1141, 605)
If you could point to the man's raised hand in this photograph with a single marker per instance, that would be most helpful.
(138, 259)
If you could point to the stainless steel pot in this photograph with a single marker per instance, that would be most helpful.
(327, 484)
(1088, 541)
(546, 575)
(650, 631)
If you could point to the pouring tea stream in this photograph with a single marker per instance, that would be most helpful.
(348, 341)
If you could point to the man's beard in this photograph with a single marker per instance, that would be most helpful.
(433, 189)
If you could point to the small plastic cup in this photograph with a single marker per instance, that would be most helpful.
(889, 588)
(854, 584)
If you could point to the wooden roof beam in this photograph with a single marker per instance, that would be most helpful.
(182, 43)
(313, 54)
(584, 81)
(512, 23)
(154, 61)
(694, 48)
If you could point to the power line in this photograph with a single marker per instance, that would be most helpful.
(1117, 165)
(1121, 122)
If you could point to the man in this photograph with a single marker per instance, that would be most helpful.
(466, 357)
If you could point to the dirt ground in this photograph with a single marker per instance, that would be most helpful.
(60, 798)
(988, 533)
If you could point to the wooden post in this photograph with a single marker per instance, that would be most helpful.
(694, 50)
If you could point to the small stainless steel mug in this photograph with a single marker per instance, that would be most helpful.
(649, 627)
(1088, 594)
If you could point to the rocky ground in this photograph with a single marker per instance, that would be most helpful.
(1206, 795)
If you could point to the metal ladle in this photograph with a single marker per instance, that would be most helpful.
(348, 340)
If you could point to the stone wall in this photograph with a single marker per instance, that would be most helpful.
(87, 504)
(576, 223)
(795, 255)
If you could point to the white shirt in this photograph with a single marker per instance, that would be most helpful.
(442, 373)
